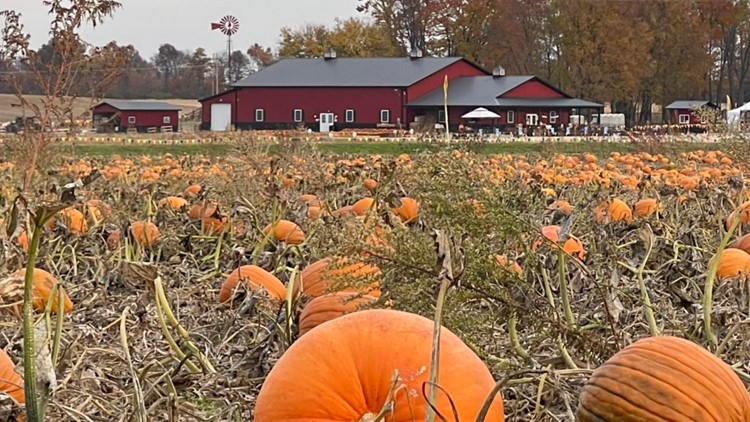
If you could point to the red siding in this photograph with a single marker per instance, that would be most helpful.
(533, 89)
(694, 118)
(456, 70)
(279, 104)
(143, 118)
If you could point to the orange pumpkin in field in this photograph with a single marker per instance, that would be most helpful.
(253, 278)
(742, 243)
(573, 245)
(11, 382)
(71, 218)
(408, 210)
(172, 202)
(503, 262)
(145, 233)
(286, 231)
(619, 211)
(645, 207)
(362, 206)
(330, 306)
(326, 275)
(192, 191)
(44, 282)
(744, 215)
(370, 184)
(733, 263)
(345, 369)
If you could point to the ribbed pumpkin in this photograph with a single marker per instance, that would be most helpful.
(253, 278)
(344, 369)
(408, 210)
(11, 382)
(329, 306)
(733, 263)
(742, 243)
(43, 284)
(619, 211)
(645, 207)
(172, 202)
(145, 233)
(664, 379)
(286, 231)
(323, 277)
(363, 206)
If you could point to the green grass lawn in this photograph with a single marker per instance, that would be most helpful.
(395, 148)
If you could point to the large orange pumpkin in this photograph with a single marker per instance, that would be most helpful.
(408, 210)
(286, 231)
(44, 282)
(253, 278)
(73, 219)
(172, 202)
(329, 306)
(619, 211)
(11, 382)
(645, 207)
(733, 263)
(744, 212)
(323, 277)
(145, 233)
(362, 206)
(344, 369)
(742, 243)
(664, 379)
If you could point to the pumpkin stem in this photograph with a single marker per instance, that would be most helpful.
(647, 306)
(29, 385)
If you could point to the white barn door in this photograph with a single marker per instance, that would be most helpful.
(221, 117)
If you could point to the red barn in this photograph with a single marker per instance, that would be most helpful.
(684, 112)
(398, 92)
(141, 116)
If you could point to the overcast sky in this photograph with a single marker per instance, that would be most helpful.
(186, 24)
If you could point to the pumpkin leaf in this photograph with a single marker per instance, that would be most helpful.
(12, 224)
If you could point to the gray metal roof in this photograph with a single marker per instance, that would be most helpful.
(347, 72)
(689, 104)
(125, 105)
(485, 91)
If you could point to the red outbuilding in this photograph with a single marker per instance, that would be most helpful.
(684, 112)
(396, 92)
(139, 116)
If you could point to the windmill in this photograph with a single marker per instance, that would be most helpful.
(228, 25)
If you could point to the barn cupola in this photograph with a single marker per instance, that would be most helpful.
(498, 71)
(330, 54)
(415, 53)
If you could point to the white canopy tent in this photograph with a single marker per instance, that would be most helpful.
(734, 116)
(480, 113)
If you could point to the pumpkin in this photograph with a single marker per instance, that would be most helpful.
(744, 213)
(370, 184)
(363, 206)
(145, 233)
(572, 245)
(253, 278)
(619, 211)
(343, 371)
(286, 231)
(408, 210)
(114, 238)
(733, 263)
(198, 211)
(11, 382)
(42, 289)
(71, 218)
(645, 207)
(348, 209)
(192, 191)
(308, 199)
(742, 243)
(173, 202)
(329, 306)
(318, 278)
(563, 207)
(214, 225)
(97, 209)
(663, 378)
(503, 262)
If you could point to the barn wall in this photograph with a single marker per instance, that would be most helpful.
(533, 89)
(436, 80)
(279, 105)
(229, 96)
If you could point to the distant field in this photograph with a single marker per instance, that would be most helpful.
(8, 112)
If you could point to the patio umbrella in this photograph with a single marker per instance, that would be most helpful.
(480, 113)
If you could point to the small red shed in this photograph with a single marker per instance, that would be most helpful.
(139, 116)
(683, 112)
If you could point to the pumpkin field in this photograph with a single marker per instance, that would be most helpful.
(296, 283)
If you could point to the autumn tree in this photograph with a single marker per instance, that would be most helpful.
(238, 67)
(405, 22)
(260, 57)
(459, 27)
(168, 60)
(350, 38)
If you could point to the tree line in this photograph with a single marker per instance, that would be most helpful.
(630, 53)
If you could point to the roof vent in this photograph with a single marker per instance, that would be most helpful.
(415, 53)
(498, 71)
(330, 54)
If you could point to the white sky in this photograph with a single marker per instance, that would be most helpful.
(186, 24)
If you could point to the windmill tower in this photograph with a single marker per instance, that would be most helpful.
(228, 25)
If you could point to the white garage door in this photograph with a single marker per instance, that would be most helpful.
(221, 117)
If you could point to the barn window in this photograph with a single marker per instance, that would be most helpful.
(167, 120)
(297, 115)
(385, 116)
(553, 117)
(511, 116)
(684, 119)
(259, 115)
(349, 116)
(131, 120)
(441, 116)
